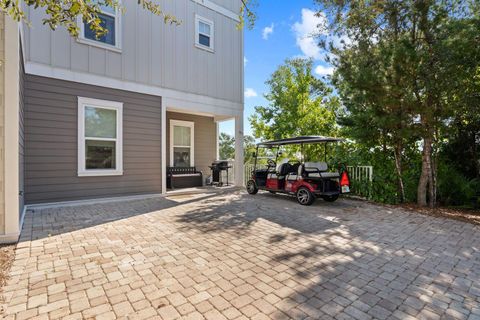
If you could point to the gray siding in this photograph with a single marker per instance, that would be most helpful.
(51, 143)
(153, 53)
(205, 139)
(21, 137)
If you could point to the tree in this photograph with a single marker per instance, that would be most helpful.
(299, 104)
(402, 48)
(226, 144)
(227, 147)
(65, 12)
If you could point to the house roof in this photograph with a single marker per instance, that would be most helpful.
(299, 140)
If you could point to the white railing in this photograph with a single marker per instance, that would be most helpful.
(360, 173)
(357, 174)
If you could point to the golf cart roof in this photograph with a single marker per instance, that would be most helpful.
(298, 140)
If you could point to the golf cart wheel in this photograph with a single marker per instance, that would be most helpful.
(252, 187)
(305, 197)
(330, 198)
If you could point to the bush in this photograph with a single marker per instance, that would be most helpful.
(454, 188)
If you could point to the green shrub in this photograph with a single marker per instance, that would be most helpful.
(454, 188)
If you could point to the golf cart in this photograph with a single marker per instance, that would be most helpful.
(305, 180)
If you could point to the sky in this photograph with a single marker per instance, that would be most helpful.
(283, 30)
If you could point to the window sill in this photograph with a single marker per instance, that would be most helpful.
(99, 173)
(98, 44)
(202, 47)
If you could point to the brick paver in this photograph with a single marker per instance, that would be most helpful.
(236, 256)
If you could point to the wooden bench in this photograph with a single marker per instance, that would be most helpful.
(183, 177)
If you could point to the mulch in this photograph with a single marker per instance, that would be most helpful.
(7, 253)
(465, 215)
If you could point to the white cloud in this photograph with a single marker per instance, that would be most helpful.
(250, 93)
(324, 71)
(245, 60)
(267, 31)
(307, 30)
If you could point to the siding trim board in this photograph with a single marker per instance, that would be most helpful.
(177, 99)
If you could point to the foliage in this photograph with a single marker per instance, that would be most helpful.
(455, 189)
(299, 104)
(65, 12)
(407, 71)
(227, 147)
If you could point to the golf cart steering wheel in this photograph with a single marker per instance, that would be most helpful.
(271, 163)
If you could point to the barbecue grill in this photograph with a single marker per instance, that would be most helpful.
(217, 167)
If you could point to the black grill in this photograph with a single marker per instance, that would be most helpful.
(217, 167)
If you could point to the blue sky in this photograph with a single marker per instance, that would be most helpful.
(283, 30)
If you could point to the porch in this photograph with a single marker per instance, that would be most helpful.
(191, 140)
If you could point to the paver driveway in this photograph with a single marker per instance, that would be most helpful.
(237, 256)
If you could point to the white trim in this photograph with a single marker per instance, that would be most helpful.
(191, 125)
(13, 237)
(118, 33)
(239, 152)
(11, 185)
(104, 104)
(72, 203)
(175, 98)
(217, 140)
(210, 23)
(219, 9)
(163, 136)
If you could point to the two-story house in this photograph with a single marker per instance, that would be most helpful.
(92, 118)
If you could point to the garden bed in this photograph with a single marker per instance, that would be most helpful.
(7, 253)
(466, 215)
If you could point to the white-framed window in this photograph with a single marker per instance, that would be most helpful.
(111, 20)
(204, 33)
(100, 137)
(182, 143)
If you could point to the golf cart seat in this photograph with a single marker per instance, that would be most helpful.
(318, 170)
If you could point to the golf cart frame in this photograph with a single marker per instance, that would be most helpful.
(305, 180)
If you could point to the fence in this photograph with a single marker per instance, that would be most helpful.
(361, 178)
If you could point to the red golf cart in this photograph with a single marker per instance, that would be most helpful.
(305, 180)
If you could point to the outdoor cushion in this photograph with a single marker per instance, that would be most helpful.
(292, 177)
(329, 175)
(321, 166)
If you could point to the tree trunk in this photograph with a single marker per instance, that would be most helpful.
(426, 174)
(398, 167)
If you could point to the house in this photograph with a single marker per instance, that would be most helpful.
(91, 118)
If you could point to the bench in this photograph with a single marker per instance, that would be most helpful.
(183, 177)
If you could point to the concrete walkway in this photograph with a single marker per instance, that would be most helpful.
(236, 256)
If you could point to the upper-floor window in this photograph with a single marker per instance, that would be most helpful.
(204, 33)
(110, 20)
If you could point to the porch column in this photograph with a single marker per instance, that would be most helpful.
(239, 150)
(10, 164)
(163, 138)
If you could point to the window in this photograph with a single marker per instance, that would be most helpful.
(181, 143)
(99, 137)
(204, 33)
(110, 18)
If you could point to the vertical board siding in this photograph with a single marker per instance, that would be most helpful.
(51, 143)
(205, 133)
(153, 53)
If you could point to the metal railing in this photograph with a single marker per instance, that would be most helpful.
(361, 178)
